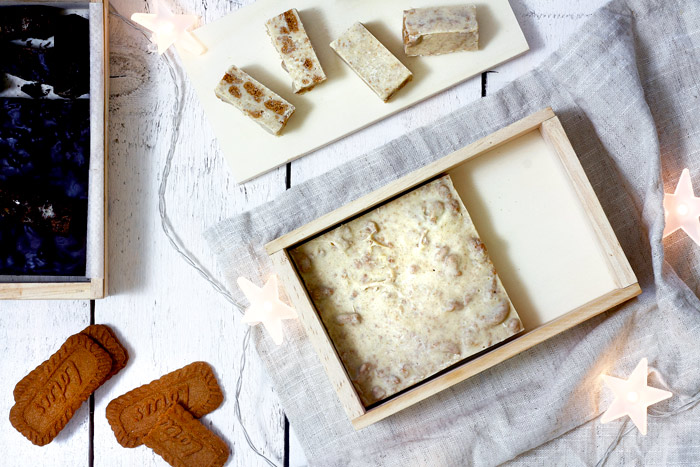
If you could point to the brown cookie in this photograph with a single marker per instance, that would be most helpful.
(59, 386)
(133, 414)
(184, 442)
(104, 336)
(106, 339)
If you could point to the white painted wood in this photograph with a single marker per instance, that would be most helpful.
(161, 308)
(546, 25)
(342, 104)
(165, 313)
(296, 452)
(30, 332)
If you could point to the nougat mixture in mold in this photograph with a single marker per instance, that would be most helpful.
(406, 290)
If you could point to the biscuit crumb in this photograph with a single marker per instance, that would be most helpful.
(229, 78)
(292, 43)
(291, 21)
(276, 106)
(287, 45)
(253, 91)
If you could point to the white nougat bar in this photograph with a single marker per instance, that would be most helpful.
(406, 290)
(265, 107)
(372, 62)
(441, 30)
(298, 57)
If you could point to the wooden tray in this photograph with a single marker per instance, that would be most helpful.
(545, 230)
(343, 104)
(94, 286)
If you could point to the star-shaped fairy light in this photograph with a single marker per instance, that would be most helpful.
(266, 307)
(169, 28)
(683, 209)
(633, 396)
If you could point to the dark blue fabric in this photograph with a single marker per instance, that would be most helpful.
(44, 170)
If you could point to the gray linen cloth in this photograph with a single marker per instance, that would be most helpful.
(626, 88)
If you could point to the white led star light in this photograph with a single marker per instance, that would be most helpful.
(169, 28)
(633, 396)
(683, 209)
(266, 307)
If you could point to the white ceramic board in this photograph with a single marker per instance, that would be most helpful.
(534, 225)
(342, 104)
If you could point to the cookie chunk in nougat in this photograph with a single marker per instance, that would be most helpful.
(406, 290)
(294, 46)
(265, 107)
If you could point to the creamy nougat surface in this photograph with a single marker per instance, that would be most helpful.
(294, 46)
(371, 61)
(440, 30)
(406, 290)
(263, 106)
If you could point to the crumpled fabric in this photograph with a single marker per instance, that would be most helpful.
(626, 88)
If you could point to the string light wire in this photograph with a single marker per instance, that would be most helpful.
(175, 240)
(191, 260)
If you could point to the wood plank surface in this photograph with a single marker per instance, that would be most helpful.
(165, 313)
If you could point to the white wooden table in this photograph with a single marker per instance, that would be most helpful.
(164, 312)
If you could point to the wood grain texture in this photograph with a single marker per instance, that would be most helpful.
(546, 25)
(53, 291)
(545, 123)
(152, 282)
(161, 309)
(317, 334)
(553, 133)
(101, 286)
(405, 183)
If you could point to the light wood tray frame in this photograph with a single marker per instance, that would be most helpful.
(95, 287)
(625, 283)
